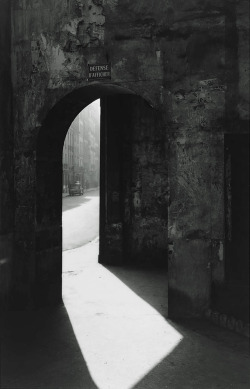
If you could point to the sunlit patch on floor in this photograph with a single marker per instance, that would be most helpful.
(121, 336)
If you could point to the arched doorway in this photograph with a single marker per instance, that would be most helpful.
(133, 184)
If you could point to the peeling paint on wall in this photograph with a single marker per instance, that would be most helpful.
(88, 28)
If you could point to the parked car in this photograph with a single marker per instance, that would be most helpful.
(76, 189)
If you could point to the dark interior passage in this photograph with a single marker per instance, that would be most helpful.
(237, 207)
(134, 184)
(232, 297)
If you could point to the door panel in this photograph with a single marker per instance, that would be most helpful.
(134, 183)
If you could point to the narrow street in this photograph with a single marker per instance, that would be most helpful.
(80, 219)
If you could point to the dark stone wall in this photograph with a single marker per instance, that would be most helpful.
(6, 156)
(189, 61)
(145, 186)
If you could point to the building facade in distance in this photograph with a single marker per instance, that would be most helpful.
(81, 151)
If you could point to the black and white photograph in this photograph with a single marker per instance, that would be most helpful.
(124, 194)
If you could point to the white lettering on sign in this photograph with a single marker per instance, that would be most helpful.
(98, 68)
(99, 75)
(99, 72)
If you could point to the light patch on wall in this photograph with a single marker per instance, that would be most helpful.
(158, 55)
(37, 56)
(46, 57)
(137, 200)
(72, 26)
(221, 251)
(57, 59)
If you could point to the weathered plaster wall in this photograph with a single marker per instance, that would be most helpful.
(188, 59)
(195, 62)
(204, 81)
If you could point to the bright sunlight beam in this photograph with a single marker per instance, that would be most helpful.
(122, 337)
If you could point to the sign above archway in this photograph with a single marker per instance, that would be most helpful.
(99, 72)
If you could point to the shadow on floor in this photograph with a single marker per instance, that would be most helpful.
(207, 357)
(149, 284)
(152, 286)
(199, 363)
(39, 349)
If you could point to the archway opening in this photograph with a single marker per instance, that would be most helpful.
(133, 232)
(103, 299)
(133, 185)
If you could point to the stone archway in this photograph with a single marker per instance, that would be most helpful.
(133, 212)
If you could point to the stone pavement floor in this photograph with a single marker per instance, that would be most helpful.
(112, 332)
